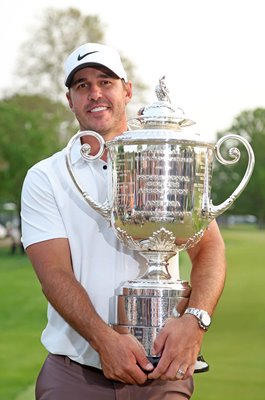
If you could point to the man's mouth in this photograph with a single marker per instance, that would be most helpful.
(98, 109)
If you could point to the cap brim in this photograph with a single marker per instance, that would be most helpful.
(69, 79)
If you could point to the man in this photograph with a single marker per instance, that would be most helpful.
(80, 262)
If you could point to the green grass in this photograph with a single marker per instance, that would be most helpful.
(22, 317)
(234, 346)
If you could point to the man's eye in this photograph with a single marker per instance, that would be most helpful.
(105, 83)
(82, 85)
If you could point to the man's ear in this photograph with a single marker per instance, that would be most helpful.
(128, 89)
(68, 96)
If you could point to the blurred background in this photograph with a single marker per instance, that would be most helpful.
(212, 54)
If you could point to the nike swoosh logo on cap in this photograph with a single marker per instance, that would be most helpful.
(79, 58)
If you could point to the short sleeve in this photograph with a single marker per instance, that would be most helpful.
(40, 216)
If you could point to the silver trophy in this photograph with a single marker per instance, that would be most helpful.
(159, 203)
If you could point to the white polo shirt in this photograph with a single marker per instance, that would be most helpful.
(53, 208)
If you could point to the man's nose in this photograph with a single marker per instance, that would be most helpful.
(94, 92)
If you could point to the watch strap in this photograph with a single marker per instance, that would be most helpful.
(198, 313)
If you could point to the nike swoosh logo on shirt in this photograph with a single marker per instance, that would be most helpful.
(79, 58)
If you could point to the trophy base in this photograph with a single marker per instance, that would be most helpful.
(153, 360)
(146, 336)
(200, 366)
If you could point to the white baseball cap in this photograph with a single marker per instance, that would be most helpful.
(93, 55)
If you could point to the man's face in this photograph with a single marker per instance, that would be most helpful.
(99, 101)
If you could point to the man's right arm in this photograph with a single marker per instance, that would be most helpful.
(119, 354)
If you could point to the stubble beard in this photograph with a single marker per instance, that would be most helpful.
(117, 126)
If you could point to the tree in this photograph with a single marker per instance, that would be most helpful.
(35, 121)
(42, 56)
(59, 32)
(251, 125)
(28, 133)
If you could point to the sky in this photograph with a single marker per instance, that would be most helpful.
(212, 52)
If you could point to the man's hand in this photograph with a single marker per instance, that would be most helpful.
(123, 359)
(179, 344)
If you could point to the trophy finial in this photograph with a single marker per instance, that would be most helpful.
(160, 114)
(162, 90)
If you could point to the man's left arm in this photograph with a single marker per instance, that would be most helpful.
(180, 340)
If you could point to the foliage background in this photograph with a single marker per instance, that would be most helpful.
(35, 118)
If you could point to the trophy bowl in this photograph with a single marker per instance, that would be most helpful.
(159, 203)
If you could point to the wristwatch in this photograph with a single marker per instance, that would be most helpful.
(202, 316)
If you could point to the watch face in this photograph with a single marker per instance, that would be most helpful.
(206, 319)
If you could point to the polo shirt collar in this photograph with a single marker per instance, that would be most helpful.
(75, 152)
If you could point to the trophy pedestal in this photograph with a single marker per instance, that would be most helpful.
(142, 307)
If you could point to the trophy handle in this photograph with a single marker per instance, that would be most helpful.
(102, 209)
(234, 153)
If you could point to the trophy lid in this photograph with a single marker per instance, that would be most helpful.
(160, 114)
(160, 122)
